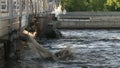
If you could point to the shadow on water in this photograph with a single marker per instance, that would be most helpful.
(20, 64)
(8, 64)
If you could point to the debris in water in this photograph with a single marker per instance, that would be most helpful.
(46, 54)
(64, 54)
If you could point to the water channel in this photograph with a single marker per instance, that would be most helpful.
(91, 48)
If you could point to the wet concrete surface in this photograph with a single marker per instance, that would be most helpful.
(91, 48)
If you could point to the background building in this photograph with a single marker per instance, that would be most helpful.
(3, 5)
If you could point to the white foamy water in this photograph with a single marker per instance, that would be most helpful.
(90, 47)
(58, 10)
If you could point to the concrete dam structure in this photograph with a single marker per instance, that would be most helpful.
(20, 19)
(76, 20)
(29, 38)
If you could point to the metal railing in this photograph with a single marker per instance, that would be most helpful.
(21, 9)
(28, 7)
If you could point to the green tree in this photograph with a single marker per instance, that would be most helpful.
(74, 5)
(113, 5)
(97, 5)
(91, 5)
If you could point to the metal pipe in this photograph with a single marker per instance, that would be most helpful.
(17, 7)
(11, 14)
(38, 6)
(31, 6)
(27, 10)
(7, 43)
(0, 7)
(20, 15)
(43, 6)
(40, 3)
(7, 49)
(47, 6)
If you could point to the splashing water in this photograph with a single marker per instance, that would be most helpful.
(58, 10)
(30, 34)
(44, 53)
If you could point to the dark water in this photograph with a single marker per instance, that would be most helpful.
(92, 49)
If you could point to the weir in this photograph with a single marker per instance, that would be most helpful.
(84, 20)
(29, 36)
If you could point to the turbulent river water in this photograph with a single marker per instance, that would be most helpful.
(91, 48)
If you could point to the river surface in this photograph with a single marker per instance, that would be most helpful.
(91, 48)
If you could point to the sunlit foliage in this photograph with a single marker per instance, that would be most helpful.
(91, 5)
(113, 5)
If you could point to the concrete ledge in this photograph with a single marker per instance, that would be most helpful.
(91, 14)
(87, 24)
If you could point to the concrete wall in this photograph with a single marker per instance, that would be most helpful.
(89, 20)
(4, 25)
(87, 24)
(92, 14)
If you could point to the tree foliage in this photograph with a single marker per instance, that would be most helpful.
(91, 5)
(113, 5)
